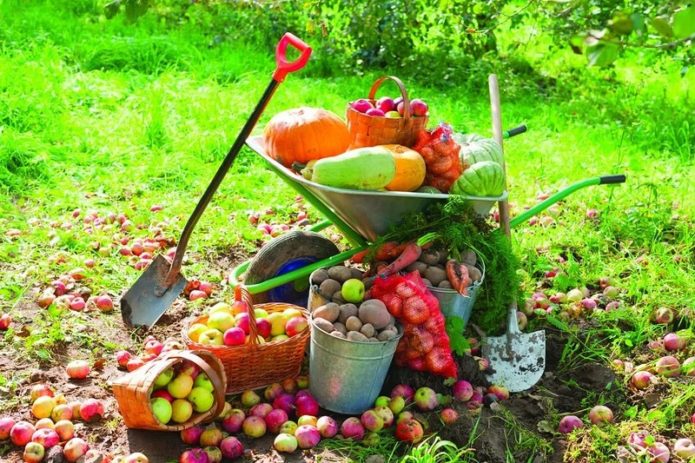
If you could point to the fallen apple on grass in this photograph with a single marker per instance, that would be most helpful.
(426, 399)
(410, 431)
(46, 437)
(6, 424)
(448, 416)
(285, 443)
(196, 455)
(307, 436)
(254, 426)
(42, 407)
(5, 321)
(668, 366)
(569, 423)
(91, 410)
(372, 421)
(352, 429)
(600, 414)
(327, 427)
(231, 448)
(33, 452)
(74, 449)
(78, 369)
(684, 448)
(21, 433)
(233, 422)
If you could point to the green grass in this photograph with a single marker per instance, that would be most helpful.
(115, 117)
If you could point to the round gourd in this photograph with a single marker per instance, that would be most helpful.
(481, 179)
(410, 169)
(305, 134)
(475, 148)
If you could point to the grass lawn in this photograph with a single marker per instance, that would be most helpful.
(110, 117)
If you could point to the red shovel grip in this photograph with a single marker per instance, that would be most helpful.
(284, 67)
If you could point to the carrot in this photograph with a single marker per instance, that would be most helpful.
(458, 276)
(411, 253)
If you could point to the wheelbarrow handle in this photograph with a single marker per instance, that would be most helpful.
(515, 131)
(284, 67)
(608, 179)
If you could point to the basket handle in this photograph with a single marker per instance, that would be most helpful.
(212, 374)
(404, 93)
(242, 294)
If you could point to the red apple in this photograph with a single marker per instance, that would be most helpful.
(134, 363)
(231, 448)
(668, 366)
(264, 327)
(104, 303)
(600, 414)
(39, 390)
(78, 369)
(409, 431)
(91, 410)
(275, 419)
(6, 424)
(233, 422)
(642, 380)
(361, 105)
(122, 357)
(352, 429)
(449, 416)
(21, 433)
(46, 437)
(295, 325)
(673, 342)
(569, 423)
(418, 107)
(5, 321)
(234, 336)
(65, 430)
(375, 112)
(74, 449)
(386, 104)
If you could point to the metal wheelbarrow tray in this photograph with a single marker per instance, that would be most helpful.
(369, 213)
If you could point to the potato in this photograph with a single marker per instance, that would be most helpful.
(374, 311)
(347, 311)
(391, 326)
(443, 257)
(356, 336)
(337, 326)
(430, 257)
(367, 330)
(427, 282)
(368, 283)
(329, 312)
(338, 297)
(338, 334)
(353, 324)
(417, 265)
(474, 273)
(372, 340)
(386, 335)
(340, 273)
(325, 325)
(469, 257)
(328, 287)
(444, 284)
(319, 276)
(356, 273)
(435, 275)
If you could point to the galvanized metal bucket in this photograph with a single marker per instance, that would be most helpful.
(347, 376)
(453, 304)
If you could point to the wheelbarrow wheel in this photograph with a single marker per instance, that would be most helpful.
(283, 254)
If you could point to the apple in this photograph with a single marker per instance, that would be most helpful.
(372, 421)
(220, 307)
(195, 330)
(375, 112)
(302, 382)
(234, 336)
(75, 407)
(409, 431)
(196, 455)
(61, 412)
(242, 321)
(327, 427)
(264, 327)
(231, 448)
(91, 410)
(44, 423)
(137, 457)
(162, 393)
(154, 347)
(289, 385)
(254, 426)
(260, 313)
(197, 294)
(5, 321)
(46, 437)
(392, 114)
(352, 429)
(65, 430)
(122, 357)
(43, 406)
(684, 448)
(260, 410)
(403, 390)
(289, 427)
(211, 337)
(448, 416)
(74, 449)
(162, 410)
(418, 107)
(104, 303)
(673, 342)
(21, 432)
(202, 380)
(660, 453)
(569, 423)
(275, 419)
(249, 398)
(191, 436)
(233, 421)
(575, 295)
(182, 410)
(33, 452)
(307, 436)
(273, 391)
(353, 290)
(277, 323)
(386, 414)
(600, 414)
(386, 104)
(663, 315)
(180, 386)
(501, 392)
(642, 380)
(285, 443)
(211, 436)
(306, 405)
(668, 366)
(134, 363)
(239, 307)
(361, 105)
(221, 321)
(6, 424)
(426, 399)
(295, 325)
(39, 390)
(305, 420)
(201, 398)
(163, 378)
(77, 304)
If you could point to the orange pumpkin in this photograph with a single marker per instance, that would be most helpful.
(304, 134)
(410, 169)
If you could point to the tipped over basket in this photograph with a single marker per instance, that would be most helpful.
(133, 390)
(257, 363)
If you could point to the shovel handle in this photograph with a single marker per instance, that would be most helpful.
(284, 67)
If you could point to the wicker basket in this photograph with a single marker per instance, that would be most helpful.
(253, 365)
(133, 390)
(371, 131)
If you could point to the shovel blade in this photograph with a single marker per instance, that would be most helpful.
(524, 367)
(141, 305)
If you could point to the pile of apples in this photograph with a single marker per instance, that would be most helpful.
(263, 220)
(389, 107)
(69, 292)
(179, 392)
(152, 349)
(228, 324)
(53, 431)
(5, 321)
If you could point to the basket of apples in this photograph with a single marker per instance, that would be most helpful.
(173, 392)
(257, 345)
(387, 120)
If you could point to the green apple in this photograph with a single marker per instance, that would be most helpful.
(195, 330)
(180, 386)
(162, 409)
(221, 321)
(220, 307)
(277, 323)
(182, 410)
(353, 290)
(397, 404)
(260, 313)
(291, 313)
(382, 401)
(392, 114)
(163, 378)
(201, 398)
(279, 337)
(202, 380)
(211, 337)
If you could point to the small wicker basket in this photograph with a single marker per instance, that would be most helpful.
(373, 130)
(253, 365)
(133, 390)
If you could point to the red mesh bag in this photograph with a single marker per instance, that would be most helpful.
(441, 154)
(425, 344)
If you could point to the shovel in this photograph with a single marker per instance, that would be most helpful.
(518, 359)
(157, 288)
